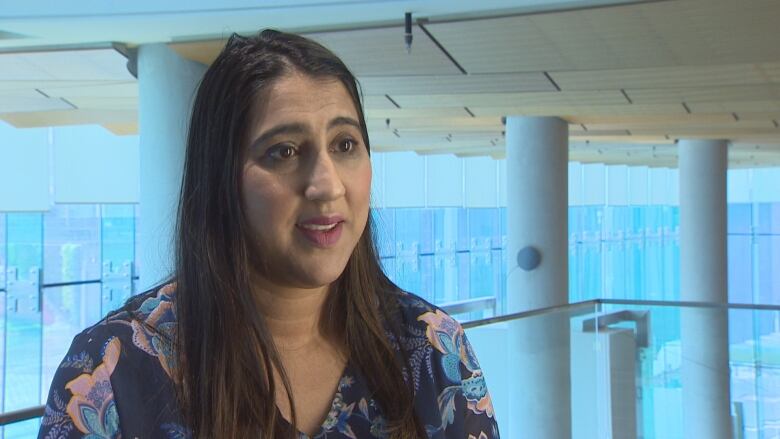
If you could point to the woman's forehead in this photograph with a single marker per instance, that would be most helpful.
(299, 96)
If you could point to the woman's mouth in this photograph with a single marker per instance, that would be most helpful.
(322, 232)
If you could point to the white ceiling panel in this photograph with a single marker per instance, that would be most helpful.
(584, 109)
(668, 77)
(574, 98)
(724, 93)
(113, 90)
(413, 113)
(376, 52)
(65, 65)
(456, 84)
(650, 34)
(739, 107)
(101, 103)
(13, 104)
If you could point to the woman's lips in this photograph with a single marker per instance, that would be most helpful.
(323, 233)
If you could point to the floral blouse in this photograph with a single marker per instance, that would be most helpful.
(115, 380)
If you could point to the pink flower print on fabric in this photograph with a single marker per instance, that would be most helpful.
(160, 316)
(447, 336)
(92, 406)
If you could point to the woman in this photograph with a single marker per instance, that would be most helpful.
(279, 321)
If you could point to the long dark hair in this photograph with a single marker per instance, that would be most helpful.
(225, 354)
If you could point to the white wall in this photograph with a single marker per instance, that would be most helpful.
(92, 165)
(74, 164)
(25, 171)
(87, 164)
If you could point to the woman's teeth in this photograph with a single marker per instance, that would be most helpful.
(318, 227)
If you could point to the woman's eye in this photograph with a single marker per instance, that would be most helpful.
(282, 152)
(346, 145)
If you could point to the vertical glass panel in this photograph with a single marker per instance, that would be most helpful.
(464, 275)
(671, 253)
(634, 268)
(483, 223)
(591, 268)
(576, 275)
(768, 276)
(3, 307)
(2, 256)
(575, 286)
(71, 236)
(498, 264)
(462, 237)
(388, 266)
(384, 220)
(740, 268)
(407, 232)
(739, 218)
(426, 289)
(23, 314)
(499, 234)
(117, 235)
(137, 263)
(445, 281)
(67, 311)
(426, 235)
(768, 220)
(481, 277)
(407, 273)
(445, 230)
(654, 266)
(615, 269)
(503, 348)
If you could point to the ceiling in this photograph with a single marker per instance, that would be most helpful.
(630, 79)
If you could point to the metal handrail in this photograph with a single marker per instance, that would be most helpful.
(574, 309)
(469, 305)
(21, 415)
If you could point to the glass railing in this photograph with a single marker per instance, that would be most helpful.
(634, 369)
(625, 369)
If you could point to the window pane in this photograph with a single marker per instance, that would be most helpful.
(739, 218)
(2, 255)
(72, 243)
(66, 312)
(768, 287)
(445, 281)
(23, 316)
(118, 235)
(384, 225)
(740, 268)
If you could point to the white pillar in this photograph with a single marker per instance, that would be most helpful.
(703, 278)
(537, 216)
(166, 86)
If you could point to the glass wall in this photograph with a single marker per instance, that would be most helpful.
(60, 271)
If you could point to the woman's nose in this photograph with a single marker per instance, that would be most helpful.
(324, 182)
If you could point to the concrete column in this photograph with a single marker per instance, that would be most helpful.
(537, 216)
(166, 86)
(703, 278)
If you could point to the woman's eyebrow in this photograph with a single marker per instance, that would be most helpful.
(287, 128)
(343, 120)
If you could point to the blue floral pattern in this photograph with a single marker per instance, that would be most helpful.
(116, 379)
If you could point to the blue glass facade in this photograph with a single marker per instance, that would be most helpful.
(82, 260)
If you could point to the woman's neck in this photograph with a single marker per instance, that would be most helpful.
(293, 315)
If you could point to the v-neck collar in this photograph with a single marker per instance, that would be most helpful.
(347, 376)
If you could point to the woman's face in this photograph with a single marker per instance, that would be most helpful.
(306, 180)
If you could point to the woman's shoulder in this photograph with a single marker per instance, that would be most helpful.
(450, 389)
(151, 311)
(124, 358)
(420, 314)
